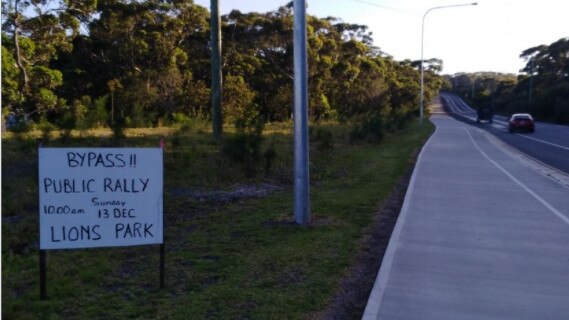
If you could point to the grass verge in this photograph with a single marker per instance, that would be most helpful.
(227, 258)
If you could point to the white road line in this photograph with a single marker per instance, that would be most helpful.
(505, 123)
(519, 183)
(455, 108)
(549, 143)
(547, 171)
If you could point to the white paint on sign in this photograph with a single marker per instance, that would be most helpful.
(100, 197)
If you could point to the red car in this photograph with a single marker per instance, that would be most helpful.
(521, 122)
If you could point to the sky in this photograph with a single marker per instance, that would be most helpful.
(487, 37)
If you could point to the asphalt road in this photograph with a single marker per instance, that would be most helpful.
(480, 236)
(549, 144)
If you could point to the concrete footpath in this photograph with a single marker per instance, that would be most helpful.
(480, 236)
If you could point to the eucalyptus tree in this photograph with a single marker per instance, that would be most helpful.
(258, 48)
(146, 46)
(547, 80)
(34, 32)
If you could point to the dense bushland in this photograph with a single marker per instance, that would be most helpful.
(542, 89)
(123, 63)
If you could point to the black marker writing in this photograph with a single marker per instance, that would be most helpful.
(67, 185)
(75, 233)
(95, 159)
(135, 230)
(125, 185)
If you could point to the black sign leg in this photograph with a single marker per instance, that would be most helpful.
(43, 274)
(162, 247)
(162, 267)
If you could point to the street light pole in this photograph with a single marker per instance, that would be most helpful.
(422, 50)
(301, 174)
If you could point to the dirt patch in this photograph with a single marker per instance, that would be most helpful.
(351, 298)
(288, 221)
(238, 192)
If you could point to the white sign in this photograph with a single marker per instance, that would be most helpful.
(100, 197)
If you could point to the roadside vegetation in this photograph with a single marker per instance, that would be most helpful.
(542, 89)
(232, 248)
(136, 64)
(127, 73)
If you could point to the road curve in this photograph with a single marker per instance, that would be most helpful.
(549, 144)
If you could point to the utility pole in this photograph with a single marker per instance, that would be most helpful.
(301, 175)
(216, 74)
(472, 94)
(530, 97)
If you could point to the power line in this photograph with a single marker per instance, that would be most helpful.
(379, 5)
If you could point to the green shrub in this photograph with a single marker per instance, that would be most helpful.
(67, 124)
(97, 115)
(270, 155)
(367, 127)
(323, 138)
(46, 128)
(182, 120)
(245, 146)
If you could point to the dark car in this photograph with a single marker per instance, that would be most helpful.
(486, 114)
(521, 122)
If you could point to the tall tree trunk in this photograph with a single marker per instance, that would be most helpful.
(216, 72)
(23, 73)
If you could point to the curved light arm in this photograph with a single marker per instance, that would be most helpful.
(451, 6)
(421, 62)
